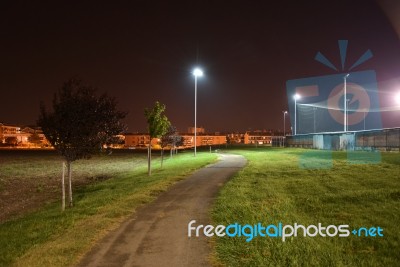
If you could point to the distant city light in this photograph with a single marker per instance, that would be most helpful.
(197, 72)
(296, 97)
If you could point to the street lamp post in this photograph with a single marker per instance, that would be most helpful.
(398, 102)
(347, 115)
(364, 120)
(296, 96)
(284, 122)
(314, 108)
(197, 73)
(284, 127)
(345, 101)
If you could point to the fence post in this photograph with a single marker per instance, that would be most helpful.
(374, 141)
(386, 140)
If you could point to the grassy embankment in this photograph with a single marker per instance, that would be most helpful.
(311, 187)
(48, 237)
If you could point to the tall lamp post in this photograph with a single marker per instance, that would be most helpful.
(345, 101)
(296, 97)
(284, 128)
(197, 73)
(398, 101)
(314, 109)
(284, 122)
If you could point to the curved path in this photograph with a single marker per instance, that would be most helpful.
(157, 234)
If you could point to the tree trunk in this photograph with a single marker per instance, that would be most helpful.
(63, 187)
(170, 152)
(162, 157)
(149, 159)
(70, 182)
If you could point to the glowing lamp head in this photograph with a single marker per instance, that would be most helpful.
(296, 97)
(197, 72)
(398, 98)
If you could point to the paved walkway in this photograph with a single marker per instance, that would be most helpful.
(157, 234)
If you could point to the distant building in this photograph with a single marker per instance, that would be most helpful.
(141, 140)
(200, 130)
(8, 131)
(204, 140)
(21, 136)
(258, 138)
(235, 138)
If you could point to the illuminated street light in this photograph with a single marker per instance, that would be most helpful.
(296, 97)
(197, 73)
(345, 101)
(398, 98)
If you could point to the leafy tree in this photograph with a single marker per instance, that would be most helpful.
(158, 125)
(178, 141)
(11, 141)
(34, 138)
(171, 138)
(80, 124)
(164, 142)
(168, 139)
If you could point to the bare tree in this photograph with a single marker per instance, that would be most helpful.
(170, 138)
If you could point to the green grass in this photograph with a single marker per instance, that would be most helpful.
(311, 187)
(35, 175)
(37, 164)
(49, 237)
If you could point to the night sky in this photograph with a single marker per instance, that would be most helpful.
(143, 51)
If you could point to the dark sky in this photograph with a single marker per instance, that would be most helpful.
(143, 51)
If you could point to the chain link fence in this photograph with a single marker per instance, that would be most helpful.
(383, 140)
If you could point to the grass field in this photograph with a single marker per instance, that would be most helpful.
(109, 189)
(30, 178)
(311, 187)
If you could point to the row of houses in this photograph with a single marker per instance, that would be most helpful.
(141, 140)
(22, 136)
(34, 137)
